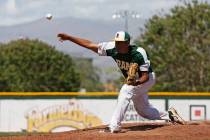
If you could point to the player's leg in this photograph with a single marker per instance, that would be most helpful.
(123, 101)
(141, 102)
(146, 110)
(143, 107)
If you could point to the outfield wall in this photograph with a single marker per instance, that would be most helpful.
(56, 111)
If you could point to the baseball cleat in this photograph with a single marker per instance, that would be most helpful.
(108, 130)
(174, 116)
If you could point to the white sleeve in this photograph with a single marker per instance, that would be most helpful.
(102, 47)
(145, 67)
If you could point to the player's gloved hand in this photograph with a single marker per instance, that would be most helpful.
(63, 37)
(131, 79)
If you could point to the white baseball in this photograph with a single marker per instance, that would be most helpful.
(49, 16)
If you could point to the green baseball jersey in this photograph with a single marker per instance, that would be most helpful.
(135, 55)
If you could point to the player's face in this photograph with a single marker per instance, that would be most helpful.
(122, 46)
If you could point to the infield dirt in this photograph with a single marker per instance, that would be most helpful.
(135, 131)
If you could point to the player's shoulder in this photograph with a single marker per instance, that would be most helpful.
(141, 50)
(107, 45)
(137, 50)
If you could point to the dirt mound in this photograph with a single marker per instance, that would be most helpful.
(137, 131)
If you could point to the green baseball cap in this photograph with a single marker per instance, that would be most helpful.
(122, 36)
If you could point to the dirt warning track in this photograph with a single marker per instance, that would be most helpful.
(137, 131)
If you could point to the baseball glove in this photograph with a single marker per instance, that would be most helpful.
(131, 79)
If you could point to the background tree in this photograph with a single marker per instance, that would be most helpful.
(90, 79)
(31, 65)
(179, 47)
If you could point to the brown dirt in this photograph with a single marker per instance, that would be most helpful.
(137, 131)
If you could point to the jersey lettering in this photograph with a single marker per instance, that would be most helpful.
(123, 65)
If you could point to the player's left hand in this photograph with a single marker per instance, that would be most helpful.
(131, 79)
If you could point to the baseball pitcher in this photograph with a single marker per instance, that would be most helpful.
(134, 63)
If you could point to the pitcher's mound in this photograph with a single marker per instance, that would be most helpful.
(135, 131)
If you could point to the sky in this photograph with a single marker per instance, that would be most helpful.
(20, 11)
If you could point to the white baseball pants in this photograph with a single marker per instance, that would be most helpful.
(139, 96)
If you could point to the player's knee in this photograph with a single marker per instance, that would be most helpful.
(126, 96)
(126, 92)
